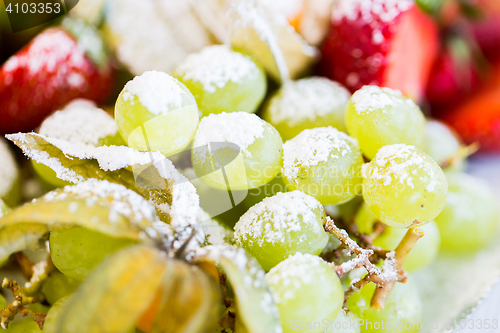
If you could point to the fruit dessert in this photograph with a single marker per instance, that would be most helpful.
(270, 167)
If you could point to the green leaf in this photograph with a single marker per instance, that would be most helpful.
(101, 206)
(150, 174)
(115, 294)
(255, 307)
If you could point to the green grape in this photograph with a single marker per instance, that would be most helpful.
(57, 286)
(469, 220)
(236, 150)
(9, 175)
(424, 251)
(75, 252)
(307, 292)
(270, 189)
(156, 112)
(3, 302)
(4, 209)
(346, 210)
(402, 311)
(325, 163)
(403, 186)
(379, 117)
(80, 122)
(346, 322)
(441, 143)
(281, 226)
(307, 103)
(223, 80)
(26, 325)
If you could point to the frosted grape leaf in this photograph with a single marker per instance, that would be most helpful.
(258, 31)
(115, 294)
(101, 206)
(256, 310)
(148, 173)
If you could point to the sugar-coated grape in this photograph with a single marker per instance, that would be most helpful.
(403, 186)
(469, 220)
(402, 312)
(307, 291)
(156, 112)
(26, 325)
(9, 175)
(346, 322)
(75, 252)
(422, 253)
(379, 117)
(280, 226)
(236, 150)
(441, 142)
(223, 80)
(307, 103)
(325, 163)
(57, 286)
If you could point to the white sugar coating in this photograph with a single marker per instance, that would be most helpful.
(215, 66)
(369, 10)
(81, 121)
(294, 273)
(9, 170)
(215, 232)
(158, 92)
(313, 146)
(406, 165)
(372, 98)
(271, 220)
(120, 199)
(240, 128)
(307, 99)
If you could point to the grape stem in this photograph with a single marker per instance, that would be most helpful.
(366, 241)
(393, 267)
(25, 264)
(462, 153)
(26, 295)
(363, 255)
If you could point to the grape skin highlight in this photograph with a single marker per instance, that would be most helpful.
(281, 226)
(325, 163)
(255, 144)
(156, 112)
(307, 103)
(469, 220)
(306, 290)
(403, 186)
(223, 80)
(378, 117)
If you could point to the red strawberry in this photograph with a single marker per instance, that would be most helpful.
(53, 69)
(478, 119)
(388, 43)
(454, 75)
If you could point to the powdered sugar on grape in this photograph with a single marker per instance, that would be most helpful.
(309, 99)
(313, 146)
(372, 98)
(158, 92)
(215, 66)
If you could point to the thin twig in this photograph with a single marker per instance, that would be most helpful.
(362, 255)
(25, 264)
(462, 153)
(393, 267)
